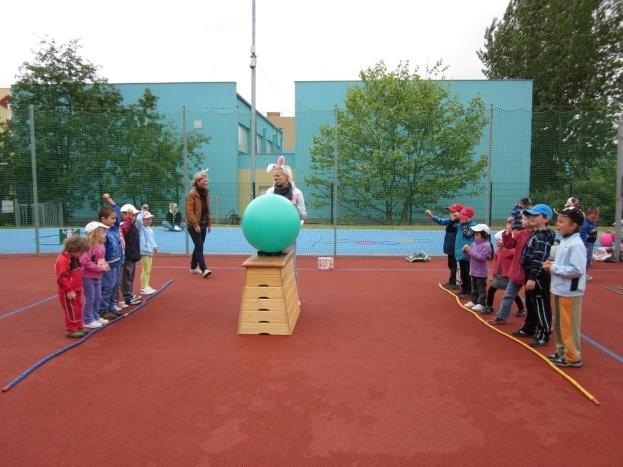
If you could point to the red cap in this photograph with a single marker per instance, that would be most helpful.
(455, 207)
(467, 212)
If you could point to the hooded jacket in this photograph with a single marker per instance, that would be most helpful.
(569, 269)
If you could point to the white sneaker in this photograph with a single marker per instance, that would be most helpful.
(478, 308)
(176, 228)
(103, 321)
(147, 291)
(206, 272)
(93, 325)
(469, 305)
(116, 308)
(197, 270)
(123, 305)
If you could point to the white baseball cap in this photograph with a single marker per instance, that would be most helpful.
(481, 228)
(91, 226)
(129, 208)
(147, 215)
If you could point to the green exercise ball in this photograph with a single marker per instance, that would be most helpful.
(270, 223)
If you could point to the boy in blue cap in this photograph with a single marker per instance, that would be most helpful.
(533, 256)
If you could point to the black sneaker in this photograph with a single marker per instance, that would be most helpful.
(521, 313)
(564, 363)
(522, 333)
(538, 343)
(554, 356)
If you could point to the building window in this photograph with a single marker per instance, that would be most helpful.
(258, 144)
(269, 147)
(197, 124)
(243, 139)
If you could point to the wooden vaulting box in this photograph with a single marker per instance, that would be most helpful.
(270, 301)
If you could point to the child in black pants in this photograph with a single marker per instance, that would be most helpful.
(132, 254)
(535, 253)
(449, 239)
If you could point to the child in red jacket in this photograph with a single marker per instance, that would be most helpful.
(69, 280)
(501, 270)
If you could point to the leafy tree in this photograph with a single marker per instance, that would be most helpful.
(87, 141)
(402, 142)
(58, 84)
(573, 52)
(149, 151)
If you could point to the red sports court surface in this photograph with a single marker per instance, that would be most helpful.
(383, 368)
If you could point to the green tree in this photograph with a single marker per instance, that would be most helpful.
(573, 52)
(60, 85)
(87, 140)
(147, 164)
(402, 142)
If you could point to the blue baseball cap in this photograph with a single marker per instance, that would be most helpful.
(539, 209)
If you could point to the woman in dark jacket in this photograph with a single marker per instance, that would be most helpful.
(199, 221)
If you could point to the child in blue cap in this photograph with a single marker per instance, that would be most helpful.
(533, 256)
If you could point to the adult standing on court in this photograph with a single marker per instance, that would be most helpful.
(198, 220)
(284, 186)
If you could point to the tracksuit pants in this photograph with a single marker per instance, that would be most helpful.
(568, 316)
(538, 310)
(72, 309)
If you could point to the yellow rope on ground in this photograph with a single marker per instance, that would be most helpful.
(539, 354)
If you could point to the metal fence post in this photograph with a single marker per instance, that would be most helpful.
(489, 169)
(618, 210)
(186, 174)
(335, 182)
(35, 193)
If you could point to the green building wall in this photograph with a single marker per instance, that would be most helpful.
(509, 101)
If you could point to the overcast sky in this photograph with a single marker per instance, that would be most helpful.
(209, 40)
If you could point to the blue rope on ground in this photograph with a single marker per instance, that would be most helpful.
(81, 341)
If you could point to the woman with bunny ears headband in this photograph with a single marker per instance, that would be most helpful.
(284, 186)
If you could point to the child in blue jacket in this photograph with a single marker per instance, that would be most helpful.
(464, 236)
(110, 216)
(449, 239)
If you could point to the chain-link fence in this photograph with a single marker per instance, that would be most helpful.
(366, 184)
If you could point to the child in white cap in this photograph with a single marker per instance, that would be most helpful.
(479, 253)
(94, 266)
(148, 247)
